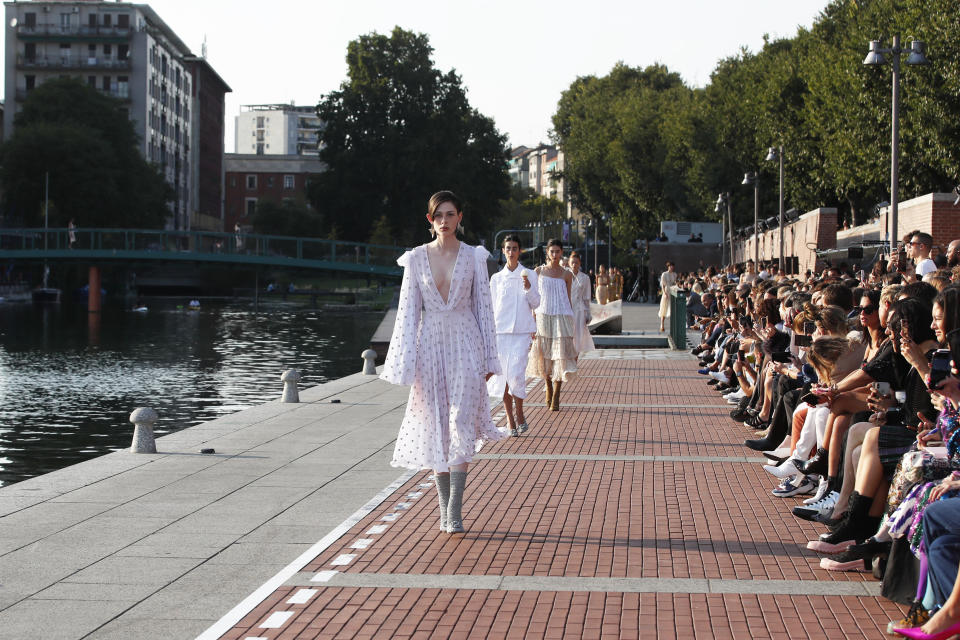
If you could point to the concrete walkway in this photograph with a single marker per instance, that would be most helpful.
(634, 512)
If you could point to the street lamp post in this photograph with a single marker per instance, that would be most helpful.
(724, 198)
(875, 57)
(776, 153)
(751, 177)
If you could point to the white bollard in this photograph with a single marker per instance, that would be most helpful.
(369, 362)
(290, 378)
(143, 419)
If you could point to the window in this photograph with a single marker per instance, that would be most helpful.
(30, 51)
(288, 182)
(29, 82)
(259, 134)
(250, 207)
(92, 20)
(123, 51)
(269, 181)
(92, 81)
(259, 148)
(163, 65)
(106, 83)
(233, 181)
(107, 50)
(259, 122)
(107, 20)
(123, 21)
(30, 20)
(123, 86)
(251, 181)
(64, 21)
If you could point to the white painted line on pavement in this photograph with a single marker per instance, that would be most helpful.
(249, 603)
(324, 576)
(276, 619)
(343, 559)
(302, 596)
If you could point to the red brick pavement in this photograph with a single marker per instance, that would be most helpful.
(591, 519)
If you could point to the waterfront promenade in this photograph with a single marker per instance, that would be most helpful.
(634, 512)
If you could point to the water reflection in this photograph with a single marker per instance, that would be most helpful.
(69, 383)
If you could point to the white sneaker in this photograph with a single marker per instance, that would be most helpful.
(821, 491)
(736, 397)
(785, 470)
(720, 376)
(823, 507)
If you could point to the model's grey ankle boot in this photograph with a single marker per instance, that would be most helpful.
(458, 480)
(443, 491)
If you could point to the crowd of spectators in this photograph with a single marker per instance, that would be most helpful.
(847, 381)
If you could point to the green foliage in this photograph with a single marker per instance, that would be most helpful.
(644, 147)
(88, 146)
(397, 131)
(524, 206)
(286, 219)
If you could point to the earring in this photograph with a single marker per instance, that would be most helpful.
(460, 229)
(433, 232)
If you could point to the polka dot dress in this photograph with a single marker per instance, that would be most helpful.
(444, 350)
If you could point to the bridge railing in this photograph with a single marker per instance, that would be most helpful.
(199, 242)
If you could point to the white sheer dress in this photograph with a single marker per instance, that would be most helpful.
(444, 349)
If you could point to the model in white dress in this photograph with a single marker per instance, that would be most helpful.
(580, 300)
(667, 280)
(444, 348)
(552, 355)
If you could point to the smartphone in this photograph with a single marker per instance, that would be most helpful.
(882, 389)
(939, 368)
(747, 322)
(741, 356)
(763, 322)
(781, 356)
(802, 341)
(809, 327)
(894, 416)
(812, 399)
(902, 259)
(863, 275)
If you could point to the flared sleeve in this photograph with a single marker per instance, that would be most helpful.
(401, 362)
(483, 310)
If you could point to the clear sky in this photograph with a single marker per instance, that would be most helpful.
(515, 57)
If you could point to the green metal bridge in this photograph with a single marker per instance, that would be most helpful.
(105, 246)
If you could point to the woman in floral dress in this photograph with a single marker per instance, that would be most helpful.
(444, 345)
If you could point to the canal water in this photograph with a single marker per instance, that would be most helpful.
(68, 382)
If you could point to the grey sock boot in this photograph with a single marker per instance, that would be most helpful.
(458, 480)
(443, 491)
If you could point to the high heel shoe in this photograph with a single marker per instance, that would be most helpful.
(918, 634)
(817, 465)
(856, 557)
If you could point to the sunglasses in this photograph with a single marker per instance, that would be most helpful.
(870, 310)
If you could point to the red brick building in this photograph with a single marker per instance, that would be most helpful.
(252, 178)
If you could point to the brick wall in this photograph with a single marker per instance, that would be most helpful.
(815, 229)
(933, 213)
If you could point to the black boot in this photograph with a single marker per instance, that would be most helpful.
(857, 524)
(817, 465)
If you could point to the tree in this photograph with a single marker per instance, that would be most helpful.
(87, 145)
(397, 131)
(286, 219)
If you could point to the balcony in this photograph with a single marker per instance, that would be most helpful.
(72, 63)
(58, 33)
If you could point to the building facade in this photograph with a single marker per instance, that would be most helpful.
(207, 186)
(124, 50)
(278, 129)
(252, 179)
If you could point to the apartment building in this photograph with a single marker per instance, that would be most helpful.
(127, 51)
(278, 129)
(252, 179)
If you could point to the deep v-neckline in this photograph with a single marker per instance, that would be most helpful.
(433, 279)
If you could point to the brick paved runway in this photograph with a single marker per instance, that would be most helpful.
(635, 512)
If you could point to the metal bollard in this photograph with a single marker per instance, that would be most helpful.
(143, 441)
(369, 362)
(290, 378)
